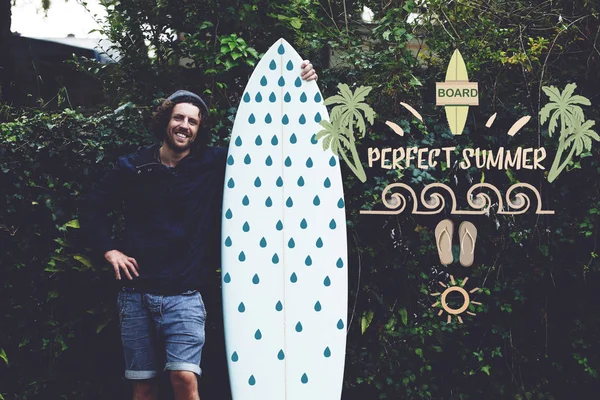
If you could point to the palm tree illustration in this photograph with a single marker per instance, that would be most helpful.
(575, 133)
(349, 113)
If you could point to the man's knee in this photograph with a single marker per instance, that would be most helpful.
(183, 379)
(146, 389)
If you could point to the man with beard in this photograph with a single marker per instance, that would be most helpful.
(172, 197)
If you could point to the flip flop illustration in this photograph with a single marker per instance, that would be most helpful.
(443, 239)
(467, 234)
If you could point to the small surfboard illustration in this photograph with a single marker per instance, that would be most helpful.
(456, 94)
(284, 250)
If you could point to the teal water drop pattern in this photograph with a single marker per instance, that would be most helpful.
(303, 223)
(258, 97)
(258, 141)
(258, 334)
(287, 98)
(281, 81)
(299, 327)
(263, 242)
(289, 202)
(304, 379)
(288, 161)
(309, 163)
(339, 263)
(340, 324)
(289, 66)
(274, 140)
(246, 227)
(318, 306)
(230, 160)
(332, 224)
(293, 138)
(263, 81)
(228, 213)
(332, 161)
(316, 200)
(278, 306)
(327, 281)
(242, 307)
(301, 181)
(247, 159)
(298, 82)
(242, 256)
(327, 183)
(227, 278)
(318, 117)
(291, 243)
(308, 261)
(294, 278)
(279, 225)
(340, 203)
(327, 352)
(269, 161)
(272, 65)
(281, 49)
(230, 183)
(235, 357)
(302, 119)
(268, 202)
(251, 119)
(303, 97)
(275, 259)
(252, 380)
(279, 182)
(228, 242)
(317, 97)
(255, 279)
(245, 201)
(285, 120)
(272, 97)
(313, 139)
(268, 118)
(238, 141)
(319, 243)
(257, 182)
(280, 355)
(246, 97)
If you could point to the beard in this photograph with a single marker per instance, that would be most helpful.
(176, 147)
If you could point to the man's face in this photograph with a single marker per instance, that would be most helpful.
(183, 127)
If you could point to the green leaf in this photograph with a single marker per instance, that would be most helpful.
(3, 356)
(74, 223)
(486, 369)
(365, 321)
(83, 259)
(404, 316)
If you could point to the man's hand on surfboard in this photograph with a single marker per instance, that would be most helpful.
(120, 261)
(308, 73)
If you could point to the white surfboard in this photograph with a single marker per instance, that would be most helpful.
(284, 246)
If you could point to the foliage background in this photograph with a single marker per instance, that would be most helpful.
(536, 336)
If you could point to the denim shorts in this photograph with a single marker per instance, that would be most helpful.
(161, 330)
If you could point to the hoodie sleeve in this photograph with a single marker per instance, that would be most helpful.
(95, 206)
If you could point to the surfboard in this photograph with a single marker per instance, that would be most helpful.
(284, 250)
(457, 115)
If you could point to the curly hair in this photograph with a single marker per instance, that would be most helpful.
(162, 116)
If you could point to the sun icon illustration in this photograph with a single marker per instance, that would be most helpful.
(454, 287)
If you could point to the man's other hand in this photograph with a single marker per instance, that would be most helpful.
(308, 73)
(120, 261)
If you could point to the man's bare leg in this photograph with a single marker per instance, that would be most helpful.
(145, 389)
(185, 385)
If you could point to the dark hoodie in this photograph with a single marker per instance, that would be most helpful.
(171, 217)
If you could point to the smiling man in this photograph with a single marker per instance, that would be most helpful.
(172, 197)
